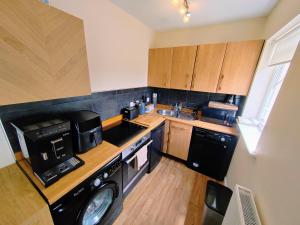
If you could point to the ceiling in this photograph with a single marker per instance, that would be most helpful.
(164, 15)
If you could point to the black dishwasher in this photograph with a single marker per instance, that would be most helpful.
(155, 149)
(210, 152)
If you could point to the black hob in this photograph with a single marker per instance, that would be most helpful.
(122, 132)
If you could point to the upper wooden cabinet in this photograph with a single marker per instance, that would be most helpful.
(208, 67)
(43, 53)
(182, 67)
(160, 67)
(239, 66)
(218, 68)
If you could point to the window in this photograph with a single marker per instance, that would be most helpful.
(278, 74)
(271, 72)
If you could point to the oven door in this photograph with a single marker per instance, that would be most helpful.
(131, 168)
(99, 205)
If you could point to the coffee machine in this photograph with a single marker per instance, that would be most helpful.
(46, 144)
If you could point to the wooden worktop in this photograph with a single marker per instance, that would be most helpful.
(93, 159)
(20, 202)
(151, 118)
(105, 152)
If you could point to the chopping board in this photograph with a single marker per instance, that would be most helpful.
(149, 119)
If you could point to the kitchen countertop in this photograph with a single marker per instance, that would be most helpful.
(20, 202)
(93, 159)
(102, 154)
(150, 118)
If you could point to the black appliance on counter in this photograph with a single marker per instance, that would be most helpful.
(130, 113)
(133, 170)
(218, 116)
(156, 147)
(210, 152)
(86, 129)
(97, 200)
(46, 143)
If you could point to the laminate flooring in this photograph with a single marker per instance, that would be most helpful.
(171, 195)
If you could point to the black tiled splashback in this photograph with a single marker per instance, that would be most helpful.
(107, 104)
(191, 99)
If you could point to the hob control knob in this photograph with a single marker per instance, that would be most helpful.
(97, 182)
(222, 139)
(105, 175)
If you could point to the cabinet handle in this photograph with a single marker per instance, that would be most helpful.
(192, 84)
(165, 82)
(186, 80)
(220, 82)
(193, 81)
(179, 128)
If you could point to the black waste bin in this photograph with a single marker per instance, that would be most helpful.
(216, 202)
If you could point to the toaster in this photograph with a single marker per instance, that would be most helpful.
(86, 130)
(130, 113)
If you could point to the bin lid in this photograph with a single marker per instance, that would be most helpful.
(217, 197)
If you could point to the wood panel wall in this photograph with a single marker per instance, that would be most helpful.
(42, 53)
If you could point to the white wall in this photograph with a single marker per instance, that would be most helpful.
(275, 172)
(117, 43)
(284, 12)
(6, 153)
(233, 31)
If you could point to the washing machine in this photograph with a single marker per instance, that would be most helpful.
(96, 201)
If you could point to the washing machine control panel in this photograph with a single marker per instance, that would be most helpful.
(105, 174)
(97, 182)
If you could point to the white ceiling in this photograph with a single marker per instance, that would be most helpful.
(163, 15)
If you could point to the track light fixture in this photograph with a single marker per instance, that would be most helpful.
(183, 9)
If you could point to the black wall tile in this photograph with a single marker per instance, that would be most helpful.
(107, 104)
(197, 99)
(217, 97)
(176, 96)
(191, 99)
(162, 95)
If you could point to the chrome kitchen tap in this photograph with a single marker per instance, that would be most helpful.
(177, 108)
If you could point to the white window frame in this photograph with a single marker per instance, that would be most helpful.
(251, 123)
(278, 74)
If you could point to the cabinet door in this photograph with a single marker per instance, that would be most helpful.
(208, 67)
(239, 66)
(160, 66)
(182, 67)
(179, 140)
(166, 136)
(43, 53)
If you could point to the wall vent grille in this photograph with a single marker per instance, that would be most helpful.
(248, 208)
(241, 209)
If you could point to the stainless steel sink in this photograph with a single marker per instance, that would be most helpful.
(172, 113)
(165, 112)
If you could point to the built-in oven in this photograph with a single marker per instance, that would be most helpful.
(135, 161)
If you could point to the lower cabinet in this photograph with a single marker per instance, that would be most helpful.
(178, 137)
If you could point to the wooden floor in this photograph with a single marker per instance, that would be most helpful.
(171, 195)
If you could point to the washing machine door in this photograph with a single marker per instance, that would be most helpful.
(99, 204)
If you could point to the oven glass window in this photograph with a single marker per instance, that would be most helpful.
(97, 207)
